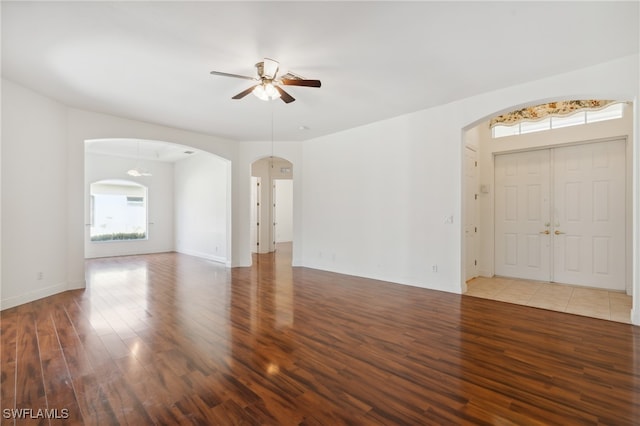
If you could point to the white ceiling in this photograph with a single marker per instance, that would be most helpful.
(150, 61)
(142, 149)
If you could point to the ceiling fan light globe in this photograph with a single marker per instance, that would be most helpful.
(266, 92)
(260, 93)
(271, 91)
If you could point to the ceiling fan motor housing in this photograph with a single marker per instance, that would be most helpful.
(260, 68)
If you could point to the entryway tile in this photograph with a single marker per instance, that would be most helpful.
(596, 303)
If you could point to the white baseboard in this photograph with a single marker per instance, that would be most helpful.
(484, 273)
(76, 285)
(635, 316)
(21, 299)
(132, 252)
(206, 256)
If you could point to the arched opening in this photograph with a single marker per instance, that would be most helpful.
(271, 204)
(557, 251)
(186, 197)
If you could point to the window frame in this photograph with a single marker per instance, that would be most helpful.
(119, 235)
(596, 117)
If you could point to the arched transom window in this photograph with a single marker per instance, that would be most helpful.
(554, 115)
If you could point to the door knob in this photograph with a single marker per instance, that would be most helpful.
(545, 232)
(558, 232)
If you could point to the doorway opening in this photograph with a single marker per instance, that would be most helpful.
(171, 197)
(271, 204)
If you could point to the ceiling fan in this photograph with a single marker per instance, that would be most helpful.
(137, 171)
(268, 87)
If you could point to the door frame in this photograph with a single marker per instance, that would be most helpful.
(474, 213)
(256, 206)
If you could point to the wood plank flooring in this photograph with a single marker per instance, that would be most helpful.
(173, 339)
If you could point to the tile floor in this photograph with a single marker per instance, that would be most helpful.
(610, 305)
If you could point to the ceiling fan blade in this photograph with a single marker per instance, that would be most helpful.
(287, 98)
(300, 82)
(270, 68)
(226, 74)
(244, 93)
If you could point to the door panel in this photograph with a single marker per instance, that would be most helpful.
(589, 215)
(575, 193)
(283, 210)
(470, 224)
(522, 213)
(255, 214)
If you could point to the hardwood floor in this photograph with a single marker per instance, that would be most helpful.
(173, 339)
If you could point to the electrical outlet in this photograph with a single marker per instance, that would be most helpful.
(434, 268)
(39, 276)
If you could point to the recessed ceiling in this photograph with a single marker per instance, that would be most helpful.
(142, 149)
(150, 61)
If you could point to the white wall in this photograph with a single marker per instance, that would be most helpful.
(34, 197)
(379, 199)
(160, 204)
(201, 207)
(382, 210)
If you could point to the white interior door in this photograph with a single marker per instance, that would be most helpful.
(283, 210)
(522, 231)
(255, 213)
(471, 223)
(589, 215)
(560, 215)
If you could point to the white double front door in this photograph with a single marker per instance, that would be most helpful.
(560, 214)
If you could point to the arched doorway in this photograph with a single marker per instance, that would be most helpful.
(271, 204)
(187, 198)
(480, 202)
